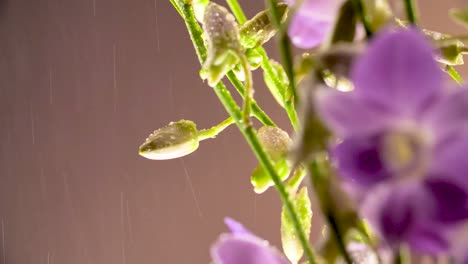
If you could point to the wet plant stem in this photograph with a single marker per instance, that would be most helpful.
(247, 130)
(320, 183)
(266, 65)
(197, 39)
(286, 52)
(256, 110)
(411, 11)
(215, 130)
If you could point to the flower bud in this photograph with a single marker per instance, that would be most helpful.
(223, 41)
(260, 28)
(276, 143)
(450, 49)
(378, 12)
(175, 140)
(451, 52)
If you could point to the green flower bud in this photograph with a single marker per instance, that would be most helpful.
(292, 246)
(175, 140)
(451, 52)
(276, 143)
(378, 12)
(260, 28)
(278, 91)
(223, 41)
(451, 49)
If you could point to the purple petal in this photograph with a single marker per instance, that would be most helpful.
(319, 8)
(401, 213)
(312, 21)
(450, 113)
(236, 227)
(450, 160)
(306, 32)
(428, 240)
(451, 201)
(245, 249)
(398, 71)
(358, 159)
(347, 115)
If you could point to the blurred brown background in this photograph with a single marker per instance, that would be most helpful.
(82, 83)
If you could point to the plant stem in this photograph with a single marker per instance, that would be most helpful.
(362, 16)
(249, 133)
(215, 130)
(398, 258)
(197, 39)
(257, 111)
(286, 53)
(454, 74)
(266, 65)
(288, 105)
(411, 11)
(248, 92)
(321, 186)
(237, 11)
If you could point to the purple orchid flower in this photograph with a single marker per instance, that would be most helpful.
(312, 21)
(241, 246)
(403, 136)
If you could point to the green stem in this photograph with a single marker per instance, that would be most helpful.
(398, 259)
(237, 11)
(266, 65)
(296, 180)
(177, 8)
(320, 184)
(249, 133)
(215, 130)
(362, 16)
(454, 74)
(411, 11)
(256, 110)
(197, 39)
(248, 93)
(286, 53)
(288, 105)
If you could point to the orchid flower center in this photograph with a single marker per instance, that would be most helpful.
(405, 153)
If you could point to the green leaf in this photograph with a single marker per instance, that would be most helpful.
(261, 180)
(278, 91)
(291, 245)
(175, 140)
(460, 16)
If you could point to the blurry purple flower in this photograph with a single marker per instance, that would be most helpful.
(403, 138)
(312, 21)
(242, 247)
